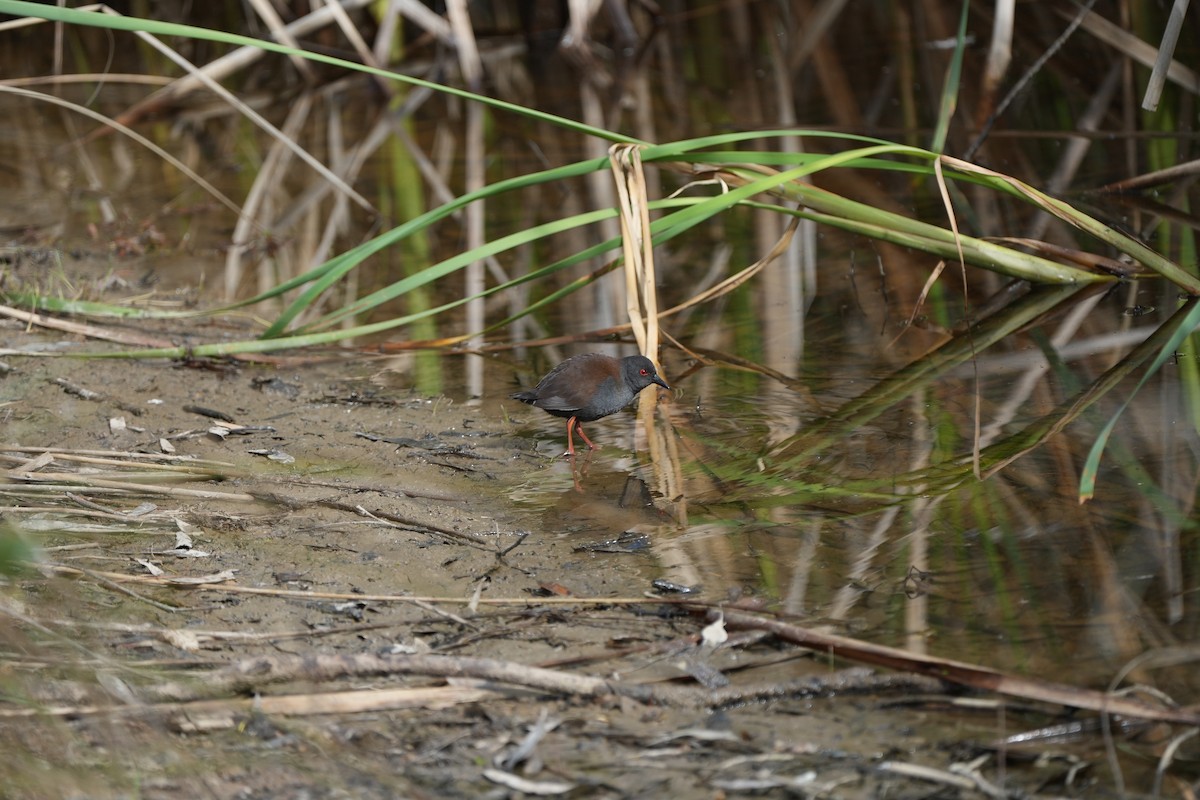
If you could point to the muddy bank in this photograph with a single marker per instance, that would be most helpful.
(193, 517)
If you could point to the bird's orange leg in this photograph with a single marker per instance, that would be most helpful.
(579, 428)
(573, 425)
(571, 437)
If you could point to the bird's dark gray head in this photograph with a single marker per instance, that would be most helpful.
(639, 372)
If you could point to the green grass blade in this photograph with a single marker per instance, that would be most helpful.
(1181, 325)
(950, 88)
(819, 435)
(333, 270)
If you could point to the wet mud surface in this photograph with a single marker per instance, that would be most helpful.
(353, 518)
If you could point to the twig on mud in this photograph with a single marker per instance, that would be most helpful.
(455, 618)
(409, 526)
(251, 674)
(957, 779)
(360, 488)
(211, 413)
(961, 673)
(116, 456)
(205, 715)
(521, 537)
(77, 391)
(174, 582)
(94, 507)
(82, 329)
(931, 774)
(192, 639)
(99, 397)
(671, 648)
(62, 548)
(116, 587)
(66, 481)
(233, 588)
(28, 476)
(410, 523)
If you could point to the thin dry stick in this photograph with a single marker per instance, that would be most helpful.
(225, 66)
(1177, 172)
(1077, 147)
(86, 483)
(91, 331)
(280, 33)
(251, 674)
(252, 115)
(408, 522)
(419, 14)
(346, 25)
(1024, 80)
(958, 672)
(192, 465)
(1139, 50)
(933, 775)
(218, 584)
(85, 78)
(268, 179)
(125, 590)
(1162, 63)
(327, 668)
(218, 713)
(734, 281)
(193, 638)
(127, 478)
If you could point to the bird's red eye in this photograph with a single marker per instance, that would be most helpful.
(645, 371)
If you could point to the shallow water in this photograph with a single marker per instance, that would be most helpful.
(1011, 571)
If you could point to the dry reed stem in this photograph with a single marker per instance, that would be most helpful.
(281, 34)
(475, 164)
(999, 56)
(1135, 48)
(364, 51)
(267, 183)
(224, 67)
(86, 483)
(121, 458)
(249, 113)
(641, 301)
